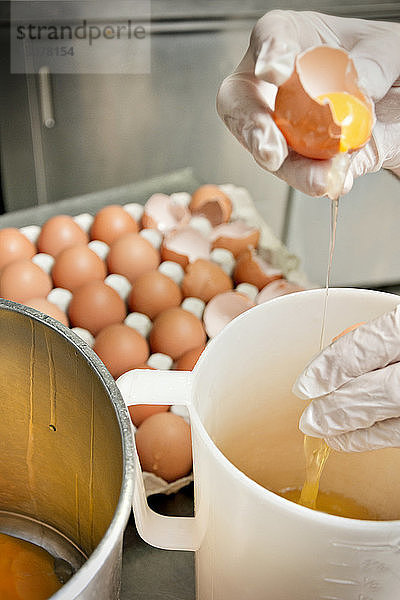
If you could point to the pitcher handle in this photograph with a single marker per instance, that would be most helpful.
(142, 386)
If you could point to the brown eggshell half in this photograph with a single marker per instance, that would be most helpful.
(204, 279)
(211, 202)
(222, 309)
(163, 213)
(280, 287)
(253, 269)
(236, 237)
(185, 245)
(307, 124)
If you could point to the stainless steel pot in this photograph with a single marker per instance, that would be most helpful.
(66, 468)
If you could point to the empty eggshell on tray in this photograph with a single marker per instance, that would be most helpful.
(185, 245)
(222, 309)
(236, 237)
(163, 213)
(205, 279)
(251, 268)
(280, 287)
(211, 202)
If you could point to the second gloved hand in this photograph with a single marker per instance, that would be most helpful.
(246, 98)
(354, 385)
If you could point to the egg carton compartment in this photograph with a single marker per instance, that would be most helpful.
(161, 235)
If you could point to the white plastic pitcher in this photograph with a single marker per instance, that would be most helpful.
(250, 543)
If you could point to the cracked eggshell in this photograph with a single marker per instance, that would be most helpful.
(236, 237)
(280, 287)
(111, 222)
(222, 309)
(205, 279)
(308, 124)
(253, 269)
(163, 213)
(211, 202)
(184, 246)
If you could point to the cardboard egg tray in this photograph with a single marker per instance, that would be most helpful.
(269, 248)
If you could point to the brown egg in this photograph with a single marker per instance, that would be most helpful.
(111, 222)
(95, 305)
(60, 232)
(48, 308)
(132, 255)
(320, 109)
(251, 268)
(152, 293)
(175, 331)
(121, 348)
(14, 246)
(211, 202)
(188, 360)
(22, 279)
(77, 265)
(235, 237)
(185, 245)
(164, 446)
(204, 279)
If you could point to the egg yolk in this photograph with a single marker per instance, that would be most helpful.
(26, 571)
(352, 115)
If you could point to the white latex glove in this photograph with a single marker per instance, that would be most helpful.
(354, 385)
(246, 98)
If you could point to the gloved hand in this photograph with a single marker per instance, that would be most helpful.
(246, 98)
(354, 385)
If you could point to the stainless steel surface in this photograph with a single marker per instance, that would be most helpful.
(46, 100)
(66, 444)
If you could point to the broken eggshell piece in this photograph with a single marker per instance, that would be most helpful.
(235, 237)
(222, 309)
(163, 213)
(309, 124)
(185, 245)
(253, 269)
